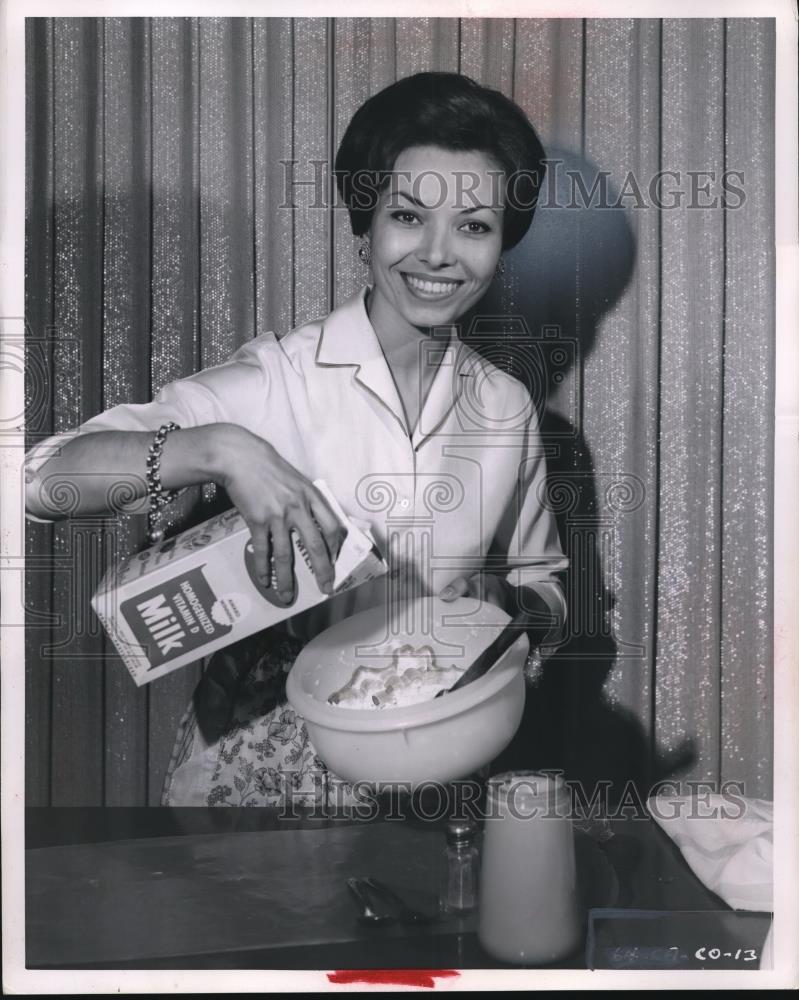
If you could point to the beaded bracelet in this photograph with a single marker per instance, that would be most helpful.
(156, 493)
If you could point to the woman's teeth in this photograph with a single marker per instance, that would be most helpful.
(431, 287)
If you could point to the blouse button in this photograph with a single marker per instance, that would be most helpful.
(404, 503)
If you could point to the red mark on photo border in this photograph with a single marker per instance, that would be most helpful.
(392, 977)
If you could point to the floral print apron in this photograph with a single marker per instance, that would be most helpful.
(240, 743)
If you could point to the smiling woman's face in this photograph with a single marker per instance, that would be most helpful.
(436, 236)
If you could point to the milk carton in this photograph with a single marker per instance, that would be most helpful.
(190, 595)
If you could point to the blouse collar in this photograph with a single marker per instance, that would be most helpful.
(348, 338)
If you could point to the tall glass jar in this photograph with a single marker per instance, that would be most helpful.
(529, 907)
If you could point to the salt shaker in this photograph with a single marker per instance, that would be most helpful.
(459, 890)
(529, 908)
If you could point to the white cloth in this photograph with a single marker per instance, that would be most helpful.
(727, 842)
(729, 845)
(469, 480)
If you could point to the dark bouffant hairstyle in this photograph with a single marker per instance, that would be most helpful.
(449, 111)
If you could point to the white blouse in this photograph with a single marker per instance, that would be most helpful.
(465, 491)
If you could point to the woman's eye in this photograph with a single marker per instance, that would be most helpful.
(405, 217)
(475, 226)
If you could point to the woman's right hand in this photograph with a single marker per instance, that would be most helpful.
(272, 496)
(274, 499)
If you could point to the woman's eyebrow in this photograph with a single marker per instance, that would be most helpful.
(421, 204)
(476, 208)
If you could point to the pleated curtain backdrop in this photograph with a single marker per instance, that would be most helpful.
(159, 163)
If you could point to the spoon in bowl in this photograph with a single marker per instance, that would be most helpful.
(523, 621)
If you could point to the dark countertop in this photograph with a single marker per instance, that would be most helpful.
(224, 888)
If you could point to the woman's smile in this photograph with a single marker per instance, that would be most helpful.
(430, 288)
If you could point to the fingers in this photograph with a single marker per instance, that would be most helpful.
(259, 537)
(332, 530)
(484, 586)
(273, 546)
(317, 548)
(461, 586)
(276, 500)
(283, 559)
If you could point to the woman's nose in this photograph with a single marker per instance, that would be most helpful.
(437, 249)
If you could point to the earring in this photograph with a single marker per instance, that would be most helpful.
(365, 251)
(499, 270)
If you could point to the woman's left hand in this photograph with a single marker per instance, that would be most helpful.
(483, 586)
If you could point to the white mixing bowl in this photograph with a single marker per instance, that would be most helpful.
(436, 741)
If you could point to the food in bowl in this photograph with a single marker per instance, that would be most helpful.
(440, 739)
(412, 676)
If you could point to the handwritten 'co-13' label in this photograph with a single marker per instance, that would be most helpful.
(175, 617)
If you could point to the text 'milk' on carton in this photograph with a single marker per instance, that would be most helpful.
(186, 597)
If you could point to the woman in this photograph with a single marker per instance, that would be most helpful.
(409, 427)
